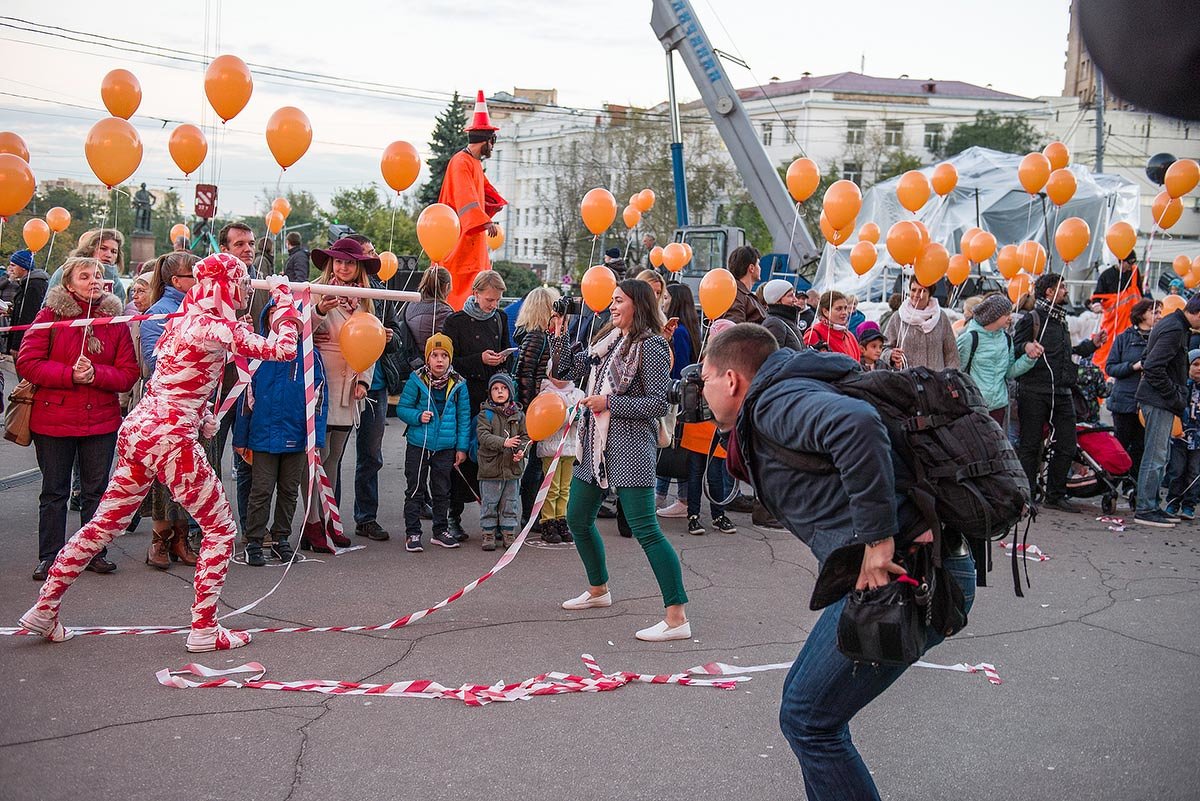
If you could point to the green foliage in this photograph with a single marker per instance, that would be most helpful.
(897, 162)
(1008, 134)
(448, 138)
(306, 218)
(363, 209)
(519, 281)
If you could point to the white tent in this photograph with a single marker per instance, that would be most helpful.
(988, 195)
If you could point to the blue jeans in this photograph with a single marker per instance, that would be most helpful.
(1155, 454)
(1183, 475)
(56, 456)
(368, 443)
(499, 505)
(824, 690)
(717, 488)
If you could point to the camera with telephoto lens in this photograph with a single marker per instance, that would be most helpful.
(688, 393)
(567, 306)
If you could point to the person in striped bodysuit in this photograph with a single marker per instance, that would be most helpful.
(159, 440)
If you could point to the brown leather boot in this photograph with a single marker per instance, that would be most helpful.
(158, 555)
(181, 550)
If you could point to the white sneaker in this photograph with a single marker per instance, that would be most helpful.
(45, 625)
(661, 632)
(588, 601)
(218, 638)
(677, 509)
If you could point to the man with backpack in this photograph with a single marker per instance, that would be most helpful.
(782, 408)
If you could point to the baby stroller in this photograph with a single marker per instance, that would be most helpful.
(1101, 467)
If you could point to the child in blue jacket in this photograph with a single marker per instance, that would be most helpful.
(272, 424)
(437, 410)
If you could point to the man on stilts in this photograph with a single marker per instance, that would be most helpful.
(467, 190)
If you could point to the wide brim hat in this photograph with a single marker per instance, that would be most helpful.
(346, 249)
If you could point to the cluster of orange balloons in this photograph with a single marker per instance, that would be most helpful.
(1188, 270)
(362, 340)
(1181, 178)
(863, 255)
(598, 209)
(839, 210)
(37, 232)
(639, 203)
(438, 231)
(277, 216)
(674, 256)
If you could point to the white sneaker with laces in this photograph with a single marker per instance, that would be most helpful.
(677, 509)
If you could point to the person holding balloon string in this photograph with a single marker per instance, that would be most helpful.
(830, 332)
(920, 333)
(625, 374)
(344, 263)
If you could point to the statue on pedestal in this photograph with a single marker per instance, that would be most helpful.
(143, 201)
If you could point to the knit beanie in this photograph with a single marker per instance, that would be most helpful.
(22, 258)
(869, 332)
(506, 380)
(774, 290)
(439, 342)
(992, 308)
(1193, 354)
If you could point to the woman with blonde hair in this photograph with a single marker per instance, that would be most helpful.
(656, 283)
(105, 245)
(532, 339)
(345, 263)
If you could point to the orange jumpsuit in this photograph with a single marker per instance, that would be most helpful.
(467, 190)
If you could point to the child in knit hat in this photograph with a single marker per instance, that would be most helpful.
(502, 446)
(1183, 472)
(437, 410)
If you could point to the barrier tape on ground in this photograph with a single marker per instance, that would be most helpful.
(85, 321)
(723, 669)
(507, 557)
(554, 683)
(1030, 551)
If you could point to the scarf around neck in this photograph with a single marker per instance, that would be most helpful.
(926, 319)
(471, 307)
(623, 366)
(1051, 310)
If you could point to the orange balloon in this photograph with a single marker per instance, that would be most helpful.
(1166, 210)
(1034, 172)
(1182, 177)
(361, 341)
(388, 265)
(228, 85)
(1182, 265)
(1172, 303)
(121, 93)
(178, 230)
(964, 241)
(288, 135)
(944, 178)
(862, 257)
(12, 143)
(545, 416)
(1018, 286)
(281, 205)
(674, 257)
(1060, 187)
(1196, 266)
(495, 242)
(1071, 238)
(274, 221)
(113, 149)
(400, 165)
(932, 264)
(842, 201)
(925, 238)
(598, 285)
(913, 190)
(59, 219)
(869, 232)
(718, 288)
(36, 234)
(1058, 155)
(1121, 238)
(983, 245)
(598, 209)
(438, 231)
(1191, 280)
(1032, 257)
(832, 235)
(656, 256)
(802, 179)
(959, 269)
(16, 184)
(688, 250)
(188, 147)
(644, 201)
(631, 217)
(1008, 261)
(904, 242)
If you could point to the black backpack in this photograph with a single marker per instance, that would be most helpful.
(957, 462)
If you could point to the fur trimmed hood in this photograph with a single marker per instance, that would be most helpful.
(60, 301)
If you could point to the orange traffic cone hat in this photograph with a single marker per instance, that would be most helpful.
(480, 120)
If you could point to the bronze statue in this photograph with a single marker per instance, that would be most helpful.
(143, 201)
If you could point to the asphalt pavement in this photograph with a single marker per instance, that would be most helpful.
(1098, 664)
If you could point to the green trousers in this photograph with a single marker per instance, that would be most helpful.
(638, 505)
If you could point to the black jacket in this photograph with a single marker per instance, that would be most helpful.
(1111, 282)
(784, 324)
(26, 303)
(388, 313)
(533, 359)
(1165, 365)
(296, 268)
(471, 338)
(1055, 373)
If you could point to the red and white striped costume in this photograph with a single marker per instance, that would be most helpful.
(158, 440)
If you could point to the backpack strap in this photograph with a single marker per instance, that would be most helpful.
(974, 347)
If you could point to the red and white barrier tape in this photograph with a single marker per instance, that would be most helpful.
(86, 321)
(723, 669)
(1030, 551)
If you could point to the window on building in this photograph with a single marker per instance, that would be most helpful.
(852, 171)
(768, 133)
(893, 134)
(856, 132)
(789, 131)
(933, 136)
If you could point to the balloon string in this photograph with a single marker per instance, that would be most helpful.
(50, 249)
(592, 255)
(392, 229)
(792, 241)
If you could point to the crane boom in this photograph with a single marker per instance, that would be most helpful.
(676, 26)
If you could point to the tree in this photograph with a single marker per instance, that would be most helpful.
(86, 213)
(1008, 134)
(448, 138)
(306, 217)
(518, 281)
(363, 210)
(897, 162)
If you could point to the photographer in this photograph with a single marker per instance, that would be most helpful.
(851, 518)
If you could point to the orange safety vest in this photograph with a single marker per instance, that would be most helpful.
(467, 190)
(1115, 317)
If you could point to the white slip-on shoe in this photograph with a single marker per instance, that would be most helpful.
(661, 632)
(588, 601)
(677, 509)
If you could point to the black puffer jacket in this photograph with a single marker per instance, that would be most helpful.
(783, 321)
(1165, 365)
(533, 359)
(1055, 373)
